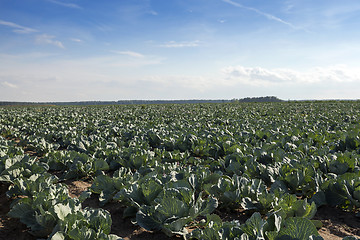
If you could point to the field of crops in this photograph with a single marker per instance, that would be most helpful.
(274, 171)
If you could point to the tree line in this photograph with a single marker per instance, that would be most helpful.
(129, 102)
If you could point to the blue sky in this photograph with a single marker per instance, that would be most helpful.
(77, 50)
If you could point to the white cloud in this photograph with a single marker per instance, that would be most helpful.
(69, 5)
(76, 40)
(288, 6)
(48, 39)
(258, 76)
(173, 44)
(267, 15)
(128, 59)
(152, 12)
(17, 28)
(130, 53)
(10, 85)
(110, 77)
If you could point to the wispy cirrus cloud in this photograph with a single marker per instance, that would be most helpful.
(9, 85)
(152, 12)
(18, 28)
(288, 6)
(69, 5)
(257, 76)
(49, 39)
(174, 44)
(40, 39)
(129, 53)
(267, 15)
(76, 40)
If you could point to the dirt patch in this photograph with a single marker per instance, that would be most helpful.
(337, 223)
(76, 187)
(327, 235)
(13, 229)
(31, 153)
(234, 214)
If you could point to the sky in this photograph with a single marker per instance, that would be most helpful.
(89, 50)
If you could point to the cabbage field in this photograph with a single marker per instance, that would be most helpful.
(181, 171)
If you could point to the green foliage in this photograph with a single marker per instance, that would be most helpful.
(173, 165)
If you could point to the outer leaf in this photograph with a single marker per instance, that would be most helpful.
(130, 212)
(113, 237)
(146, 218)
(20, 209)
(305, 210)
(297, 228)
(151, 189)
(171, 207)
(254, 226)
(83, 233)
(58, 236)
(319, 198)
(207, 233)
(100, 219)
(100, 165)
(62, 211)
(203, 207)
(177, 226)
(273, 222)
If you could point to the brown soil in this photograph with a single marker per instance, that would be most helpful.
(77, 187)
(337, 223)
(31, 153)
(234, 214)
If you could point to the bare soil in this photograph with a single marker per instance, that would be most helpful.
(77, 187)
(337, 223)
